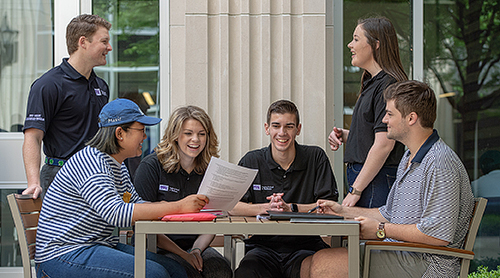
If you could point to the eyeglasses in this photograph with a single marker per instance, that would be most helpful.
(140, 129)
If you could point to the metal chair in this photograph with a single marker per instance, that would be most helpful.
(25, 212)
(465, 254)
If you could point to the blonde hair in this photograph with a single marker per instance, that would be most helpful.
(168, 149)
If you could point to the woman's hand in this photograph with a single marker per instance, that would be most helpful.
(194, 258)
(192, 203)
(350, 200)
(336, 138)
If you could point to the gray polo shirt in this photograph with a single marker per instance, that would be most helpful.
(433, 192)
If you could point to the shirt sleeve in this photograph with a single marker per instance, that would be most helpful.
(100, 193)
(441, 205)
(42, 105)
(248, 196)
(379, 110)
(325, 184)
(147, 178)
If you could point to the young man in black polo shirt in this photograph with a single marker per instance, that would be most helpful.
(64, 103)
(292, 177)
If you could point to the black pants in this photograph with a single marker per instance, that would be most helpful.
(263, 262)
(47, 175)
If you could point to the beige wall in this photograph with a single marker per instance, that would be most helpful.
(235, 57)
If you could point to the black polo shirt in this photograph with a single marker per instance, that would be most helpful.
(65, 106)
(367, 120)
(154, 184)
(308, 179)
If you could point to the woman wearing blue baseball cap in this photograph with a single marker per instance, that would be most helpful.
(92, 194)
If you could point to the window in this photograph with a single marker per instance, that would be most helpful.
(26, 53)
(133, 65)
(462, 66)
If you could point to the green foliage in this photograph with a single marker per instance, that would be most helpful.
(135, 24)
(482, 272)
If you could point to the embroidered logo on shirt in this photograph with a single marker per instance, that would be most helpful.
(267, 187)
(35, 117)
(256, 187)
(164, 187)
(97, 92)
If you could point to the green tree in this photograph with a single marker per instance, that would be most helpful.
(136, 25)
(461, 52)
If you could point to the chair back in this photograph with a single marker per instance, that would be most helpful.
(477, 215)
(470, 238)
(25, 212)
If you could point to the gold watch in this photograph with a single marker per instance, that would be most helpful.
(354, 191)
(381, 230)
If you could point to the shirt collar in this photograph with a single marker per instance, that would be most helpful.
(426, 147)
(297, 164)
(72, 72)
(379, 75)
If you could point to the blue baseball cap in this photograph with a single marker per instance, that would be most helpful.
(122, 111)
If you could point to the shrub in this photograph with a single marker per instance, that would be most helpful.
(482, 272)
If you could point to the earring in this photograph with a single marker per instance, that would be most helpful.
(121, 138)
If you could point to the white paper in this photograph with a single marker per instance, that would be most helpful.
(225, 183)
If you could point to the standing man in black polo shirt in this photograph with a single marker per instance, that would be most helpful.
(64, 103)
(292, 177)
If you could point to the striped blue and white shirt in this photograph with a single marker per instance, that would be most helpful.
(433, 192)
(84, 204)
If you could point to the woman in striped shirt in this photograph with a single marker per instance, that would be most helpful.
(92, 194)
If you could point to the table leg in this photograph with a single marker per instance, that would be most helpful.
(353, 249)
(140, 256)
(229, 250)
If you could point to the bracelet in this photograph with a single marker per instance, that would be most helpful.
(192, 249)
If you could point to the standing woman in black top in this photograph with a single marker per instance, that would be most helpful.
(371, 157)
(174, 171)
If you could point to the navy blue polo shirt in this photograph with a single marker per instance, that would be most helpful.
(367, 120)
(65, 106)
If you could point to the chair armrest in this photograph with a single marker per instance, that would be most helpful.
(125, 236)
(418, 247)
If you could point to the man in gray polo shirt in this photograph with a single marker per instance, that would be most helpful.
(430, 202)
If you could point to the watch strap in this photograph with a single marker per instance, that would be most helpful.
(354, 191)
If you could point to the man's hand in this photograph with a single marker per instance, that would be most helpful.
(330, 207)
(350, 200)
(192, 203)
(35, 189)
(367, 227)
(277, 203)
(336, 138)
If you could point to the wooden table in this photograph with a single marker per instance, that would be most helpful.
(237, 225)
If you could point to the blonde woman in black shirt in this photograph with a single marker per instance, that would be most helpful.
(174, 171)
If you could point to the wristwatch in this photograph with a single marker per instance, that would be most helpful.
(294, 207)
(381, 230)
(354, 191)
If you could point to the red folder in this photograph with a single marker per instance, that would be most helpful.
(201, 216)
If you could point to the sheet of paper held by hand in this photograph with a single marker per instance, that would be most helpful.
(225, 183)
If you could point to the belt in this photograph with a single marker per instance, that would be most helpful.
(54, 161)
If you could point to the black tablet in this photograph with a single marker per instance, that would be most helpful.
(287, 215)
